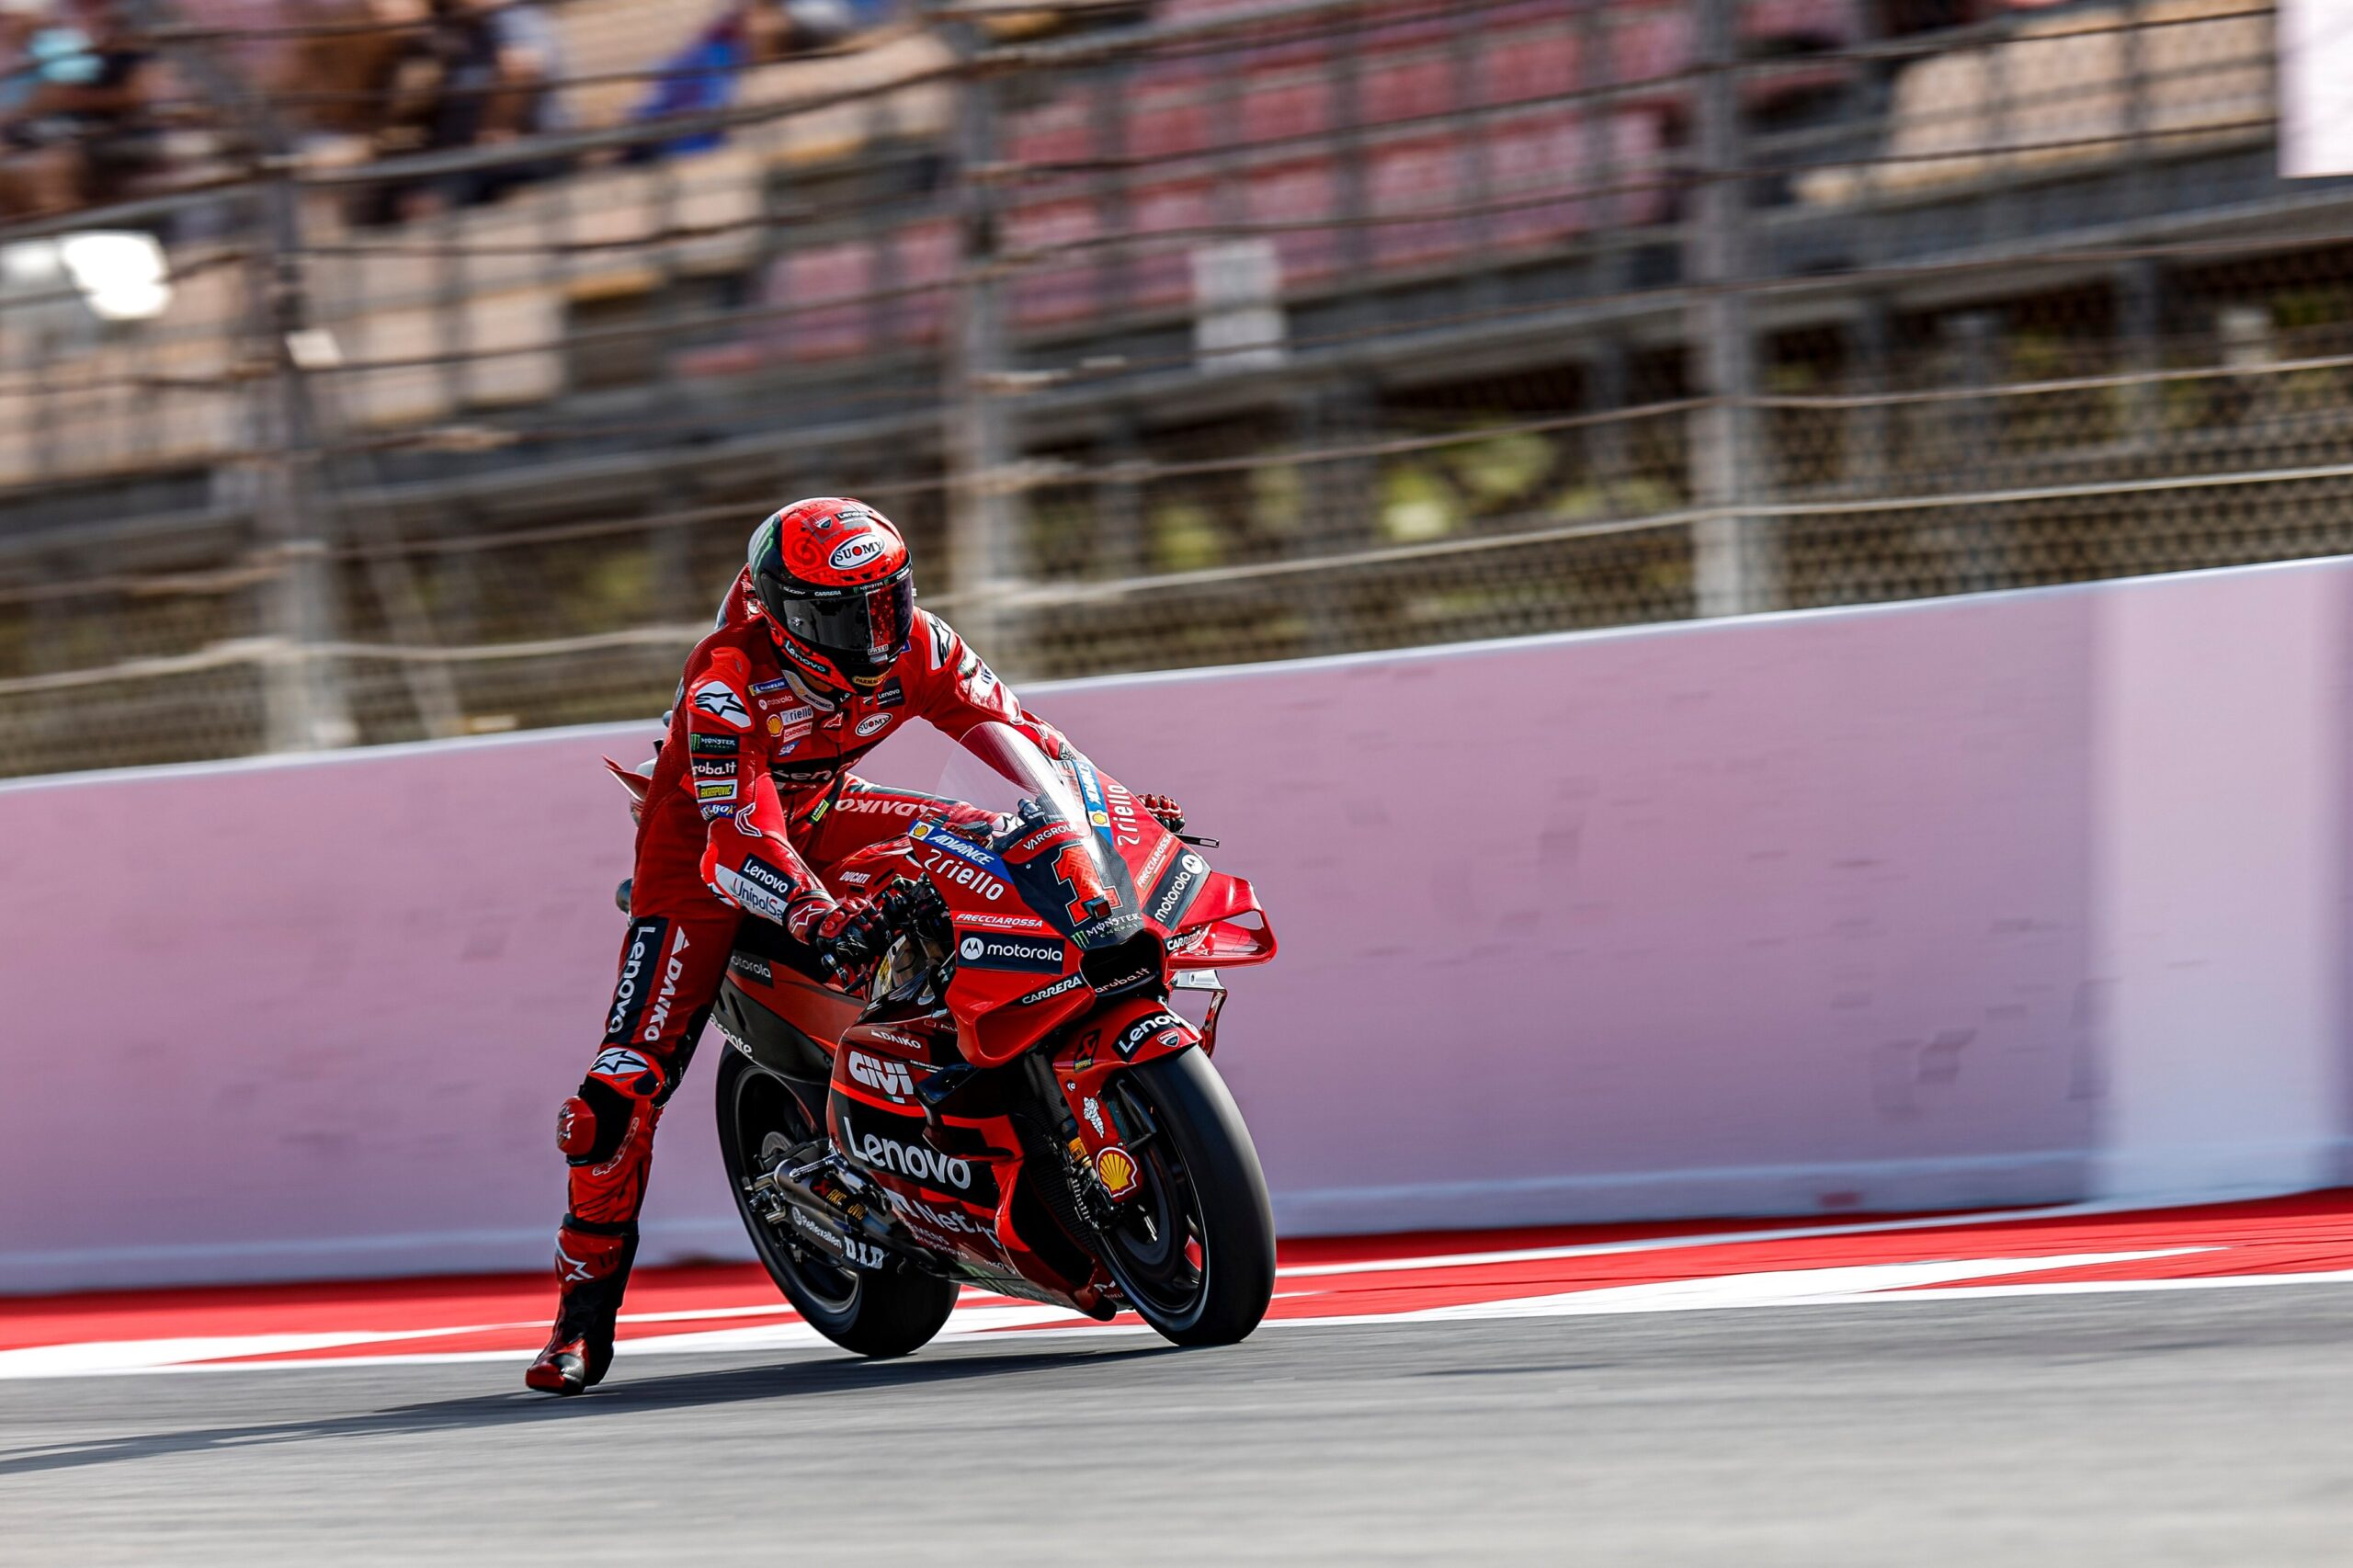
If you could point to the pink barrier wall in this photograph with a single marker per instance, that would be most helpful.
(1820, 912)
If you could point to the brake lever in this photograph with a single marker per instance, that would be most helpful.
(1197, 842)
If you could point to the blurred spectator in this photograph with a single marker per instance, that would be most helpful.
(477, 74)
(77, 118)
(346, 72)
(704, 76)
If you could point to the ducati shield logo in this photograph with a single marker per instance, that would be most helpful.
(1142, 1029)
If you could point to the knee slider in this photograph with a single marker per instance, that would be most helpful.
(589, 1126)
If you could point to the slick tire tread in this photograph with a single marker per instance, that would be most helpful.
(889, 1314)
(1198, 1111)
(896, 1315)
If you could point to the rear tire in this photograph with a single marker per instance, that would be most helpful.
(1195, 1251)
(877, 1314)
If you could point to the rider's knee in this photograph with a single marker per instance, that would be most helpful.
(621, 1086)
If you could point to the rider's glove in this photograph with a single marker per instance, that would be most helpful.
(1171, 814)
(845, 935)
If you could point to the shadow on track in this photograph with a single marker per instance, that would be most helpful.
(630, 1396)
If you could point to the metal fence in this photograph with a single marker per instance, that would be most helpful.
(1192, 333)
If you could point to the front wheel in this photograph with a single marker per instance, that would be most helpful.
(872, 1313)
(1194, 1249)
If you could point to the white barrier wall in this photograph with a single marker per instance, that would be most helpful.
(1991, 901)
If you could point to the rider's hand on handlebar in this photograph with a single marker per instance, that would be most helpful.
(1171, 814)
(845, 936)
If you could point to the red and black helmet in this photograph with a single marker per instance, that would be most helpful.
(839, 591)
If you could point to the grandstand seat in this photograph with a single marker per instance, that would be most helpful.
(2058, 93)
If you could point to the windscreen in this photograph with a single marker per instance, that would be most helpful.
(1051, 831)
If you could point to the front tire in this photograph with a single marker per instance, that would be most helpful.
(1194, 1250)
(877, 1314)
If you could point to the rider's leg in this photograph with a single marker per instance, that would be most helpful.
(671, 966)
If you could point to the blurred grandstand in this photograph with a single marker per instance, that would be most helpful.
(1174, 331)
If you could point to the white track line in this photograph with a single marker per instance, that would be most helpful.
(1839, 1286)
(1730, 1238)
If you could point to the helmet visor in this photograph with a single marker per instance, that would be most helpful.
(862, 630)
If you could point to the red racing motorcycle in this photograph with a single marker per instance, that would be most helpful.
(1011, 1101)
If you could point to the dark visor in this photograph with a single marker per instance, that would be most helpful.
(863, 630)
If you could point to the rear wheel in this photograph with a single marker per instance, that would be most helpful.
(1193, 1250)
(879, 1313)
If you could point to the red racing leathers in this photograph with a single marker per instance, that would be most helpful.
(751, 801)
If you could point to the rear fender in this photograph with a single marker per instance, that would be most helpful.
(1125, 1034)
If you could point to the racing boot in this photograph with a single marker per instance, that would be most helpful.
(591, 1270)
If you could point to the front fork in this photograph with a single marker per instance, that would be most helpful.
(1098, 1144)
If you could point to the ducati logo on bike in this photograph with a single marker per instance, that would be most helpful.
(1144, 1028)
(916, 1161)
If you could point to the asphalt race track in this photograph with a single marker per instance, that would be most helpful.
(2086, 1389)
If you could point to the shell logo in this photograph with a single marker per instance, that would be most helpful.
(1118, 1169)
(776, 724)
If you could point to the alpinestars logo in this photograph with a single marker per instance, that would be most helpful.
(881, 1074)
(574, 1272)
(722, 703)
(916, 1161)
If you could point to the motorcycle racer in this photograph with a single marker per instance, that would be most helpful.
(818, 656)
